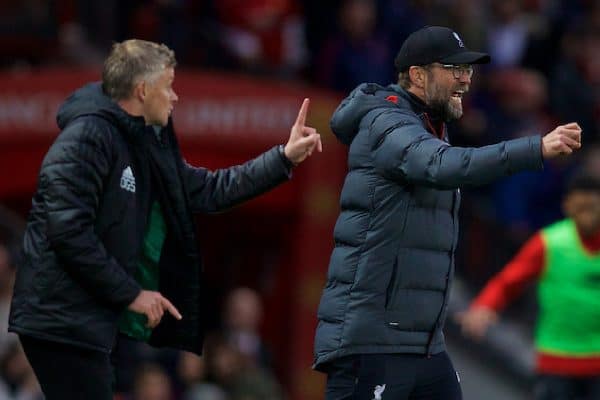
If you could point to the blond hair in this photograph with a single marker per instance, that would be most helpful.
(131, 61)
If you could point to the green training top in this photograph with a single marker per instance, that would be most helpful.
(569, 295)
(133, 324)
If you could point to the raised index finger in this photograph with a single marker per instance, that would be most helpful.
(171, 308)
(301, 119)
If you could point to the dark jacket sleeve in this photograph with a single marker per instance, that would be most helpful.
(72, 180)
(404, 150)
(213, 191)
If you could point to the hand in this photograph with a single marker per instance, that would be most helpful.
(153, 306)
(476, 321)
(303, 139)
(564, 139)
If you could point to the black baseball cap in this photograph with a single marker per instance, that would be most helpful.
(436, 44)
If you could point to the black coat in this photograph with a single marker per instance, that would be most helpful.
(88, 219)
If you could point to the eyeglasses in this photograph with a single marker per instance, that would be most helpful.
(459, 70)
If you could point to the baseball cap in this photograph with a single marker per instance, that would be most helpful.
(436, 44)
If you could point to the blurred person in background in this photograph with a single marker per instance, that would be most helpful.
(151, 383)
(383, 307)
(28, 32)
(243, 316)
(192, 372)
(520, 103)
(591, 161)
(241, 379)
(575, 78)
(317, 20)
(110, 239)
(508, 33)
(519, 108)
(564, 260)
(87, 37)
(263, 36)
(400, 18)
(128, 353)
(17, 380)
(357, 51)
(7, 278)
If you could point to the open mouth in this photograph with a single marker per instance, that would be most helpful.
(458, 94)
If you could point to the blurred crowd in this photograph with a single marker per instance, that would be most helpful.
(545, 70)
(236, 364)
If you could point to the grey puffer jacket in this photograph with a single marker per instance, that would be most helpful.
(393, 259)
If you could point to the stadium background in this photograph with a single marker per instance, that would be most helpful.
(244, 67)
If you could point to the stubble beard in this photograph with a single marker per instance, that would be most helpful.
(442, 103)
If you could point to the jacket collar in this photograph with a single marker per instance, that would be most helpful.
(91, 100)
(432, 120)
(416, 103)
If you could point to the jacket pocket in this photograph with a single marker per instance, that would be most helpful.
(391, 287)
(414, 309)
(393, 284)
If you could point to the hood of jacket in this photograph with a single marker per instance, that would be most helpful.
(346, 119)
(91, 100)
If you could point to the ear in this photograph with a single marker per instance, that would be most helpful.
(139, 91)
(417, 76)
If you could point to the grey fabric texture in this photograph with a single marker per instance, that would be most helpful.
(392, 263)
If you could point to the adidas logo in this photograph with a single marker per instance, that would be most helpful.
(128, 180)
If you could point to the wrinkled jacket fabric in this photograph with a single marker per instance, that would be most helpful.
(392, 264)
(88, 220)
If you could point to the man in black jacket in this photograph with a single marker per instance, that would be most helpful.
(110, 243)
(382, 311)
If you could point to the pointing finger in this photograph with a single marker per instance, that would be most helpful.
(301, 119)
(171, 308)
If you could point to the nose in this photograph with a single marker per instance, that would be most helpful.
(174, 97)
(465, 79)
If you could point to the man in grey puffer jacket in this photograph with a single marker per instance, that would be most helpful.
(383, 308)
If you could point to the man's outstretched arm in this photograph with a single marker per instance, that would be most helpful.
(212, 191)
